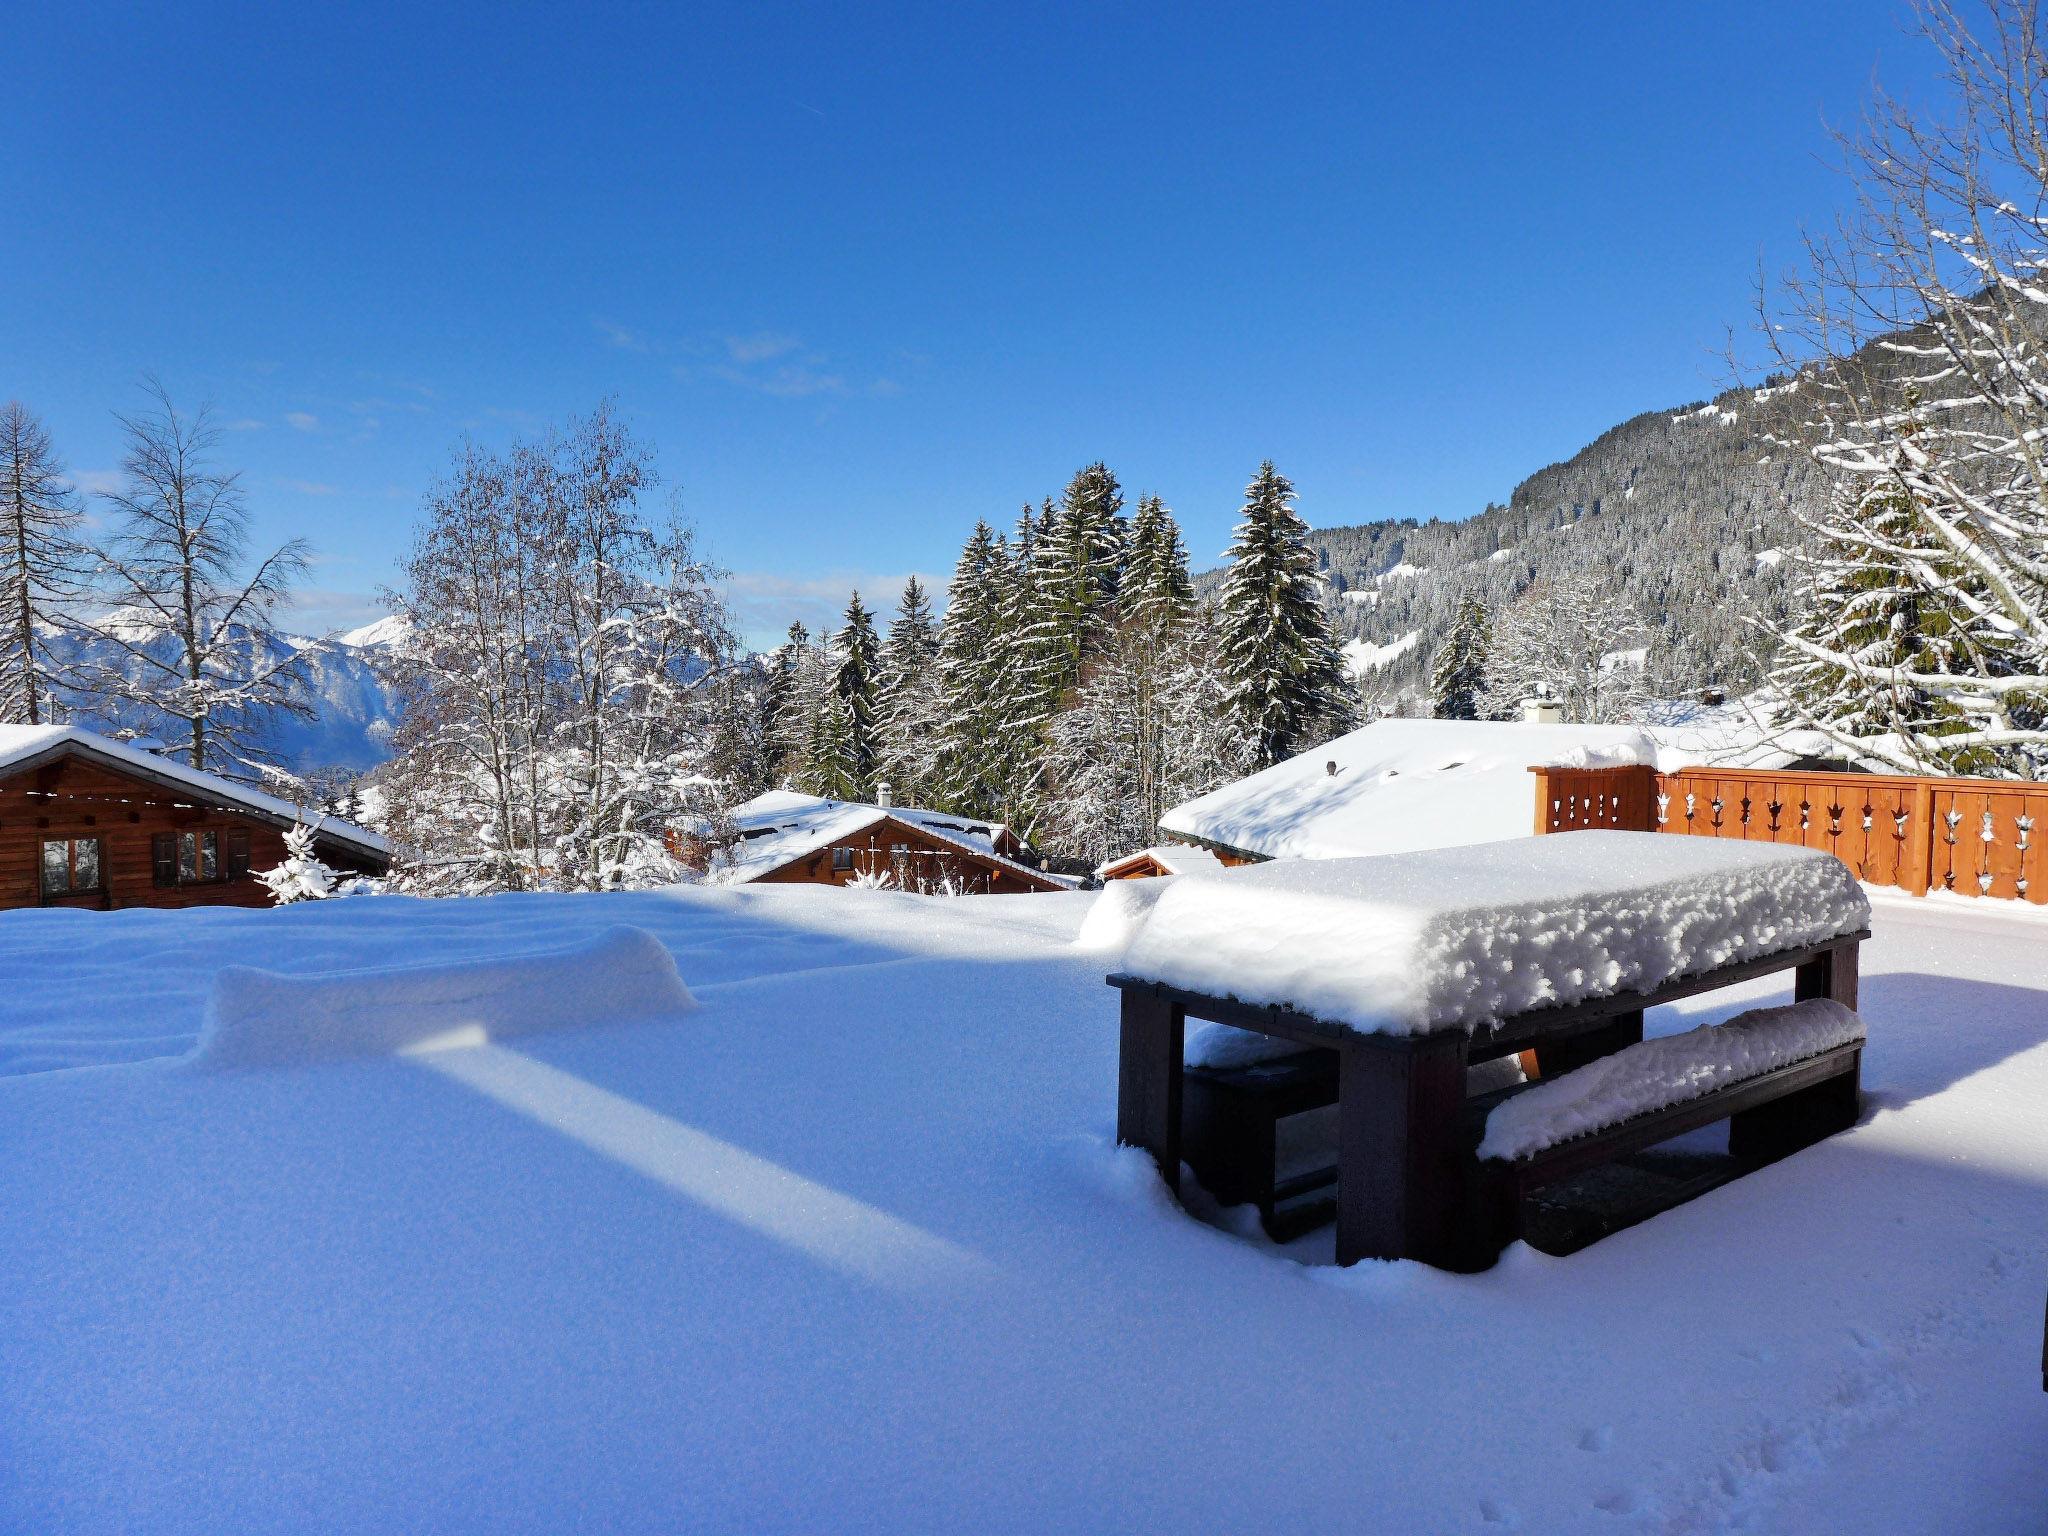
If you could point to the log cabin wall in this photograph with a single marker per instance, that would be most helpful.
(69, 800)
(912, 859)
(1974, 837)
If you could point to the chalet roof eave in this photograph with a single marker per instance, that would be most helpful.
(186, 790)
(1174, 835)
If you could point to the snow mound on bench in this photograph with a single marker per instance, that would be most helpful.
(1656, 1074)
(258, 1018)
(1459, 938)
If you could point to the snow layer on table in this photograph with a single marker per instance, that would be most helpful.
(1656, 1074)
(259, 1018)
(854, 1252)
(1400, 785)
(1459, 938)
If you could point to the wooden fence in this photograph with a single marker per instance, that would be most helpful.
(1976, 837)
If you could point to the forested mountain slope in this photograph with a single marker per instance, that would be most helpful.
(1685, 512)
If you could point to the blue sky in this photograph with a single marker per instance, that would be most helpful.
(863, 274)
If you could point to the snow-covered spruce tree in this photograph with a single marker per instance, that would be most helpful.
(560, 676)
(1075, 559)
(190, 634)
(1030, 679)
(847, 772)
(910, 707)
(42, 567)
(799, 681)
(970, 658)
(738, 760)
(1890, 600)
(1458, 680)
(1287, 682)
(1108, 752)
(1570, 640)
(1921, 334)
(301, 877)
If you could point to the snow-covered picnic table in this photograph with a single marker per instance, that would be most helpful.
(1415, 966)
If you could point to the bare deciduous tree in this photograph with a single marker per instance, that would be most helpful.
(191, 621)
(41, 564)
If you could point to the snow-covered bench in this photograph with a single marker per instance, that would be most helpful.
(1412, 967)
(1782, 1077)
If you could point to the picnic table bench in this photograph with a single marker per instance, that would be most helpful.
(1409, 969)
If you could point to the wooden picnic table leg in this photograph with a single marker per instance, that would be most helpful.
(1401, 1169)
(1831, 974)
(1149, 1078)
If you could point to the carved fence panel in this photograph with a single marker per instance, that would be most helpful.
(1976, 837)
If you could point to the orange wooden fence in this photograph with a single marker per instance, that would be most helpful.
(1976, 837)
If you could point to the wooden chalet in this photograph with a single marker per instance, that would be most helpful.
(788, 838)
(86, 821)
(1168, 859)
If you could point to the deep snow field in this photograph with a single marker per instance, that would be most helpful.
(848, 1248)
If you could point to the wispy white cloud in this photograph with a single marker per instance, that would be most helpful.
(761, 347)
(304, 421)
(94, 482)
(310, 487)
(243, 424)
(619, 336)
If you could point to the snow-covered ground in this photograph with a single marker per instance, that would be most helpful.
(848, 1248)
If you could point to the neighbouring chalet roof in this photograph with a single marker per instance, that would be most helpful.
(29, 746)
(1399, 786)
(781, 826)
(1174, 858)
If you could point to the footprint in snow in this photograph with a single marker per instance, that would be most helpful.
(1867, 1340)
(1493, 1512)
(1596, 1439)
(1621, 1502)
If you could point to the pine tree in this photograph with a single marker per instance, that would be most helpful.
(910, 706)
(970, 656)
(1287, 684)
(788, 704)
(41, 564)
(856, 683)
(1882, 601)
(1458, 680)
(1155, 591)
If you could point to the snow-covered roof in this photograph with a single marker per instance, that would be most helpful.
(1400, 785)
(781, 826)
(1174, 858)
(21, 745)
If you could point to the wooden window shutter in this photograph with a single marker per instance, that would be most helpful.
(237, 852)
(163, 858)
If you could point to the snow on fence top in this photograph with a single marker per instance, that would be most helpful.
(1672, 1069)
(1460, 938)
(1399, 785)
(264, 1019)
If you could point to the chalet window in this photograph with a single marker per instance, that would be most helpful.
(191, 858)
(238, 852)
(70, 864)
(842, 858)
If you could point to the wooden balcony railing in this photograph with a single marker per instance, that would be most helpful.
(1976, 837)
